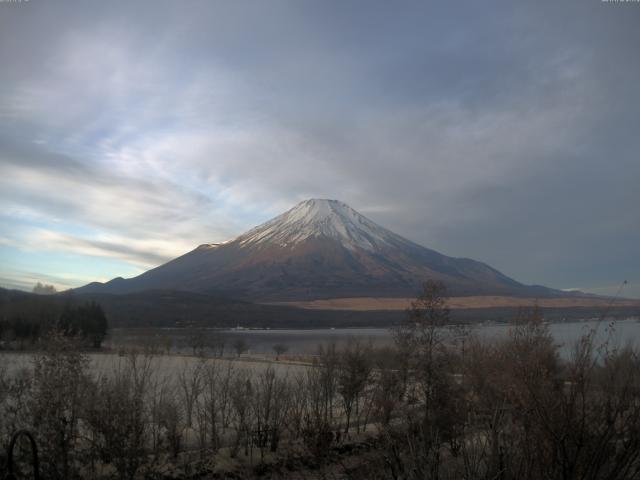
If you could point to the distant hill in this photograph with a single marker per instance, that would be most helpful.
(161, 308)
(320, 249)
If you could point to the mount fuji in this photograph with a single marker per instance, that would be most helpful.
(319, 249)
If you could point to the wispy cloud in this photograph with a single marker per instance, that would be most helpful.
(505, 134)
(25, 280)
(143, 253)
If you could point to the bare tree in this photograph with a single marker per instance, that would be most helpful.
(60, 376)
(240, 346)
(118, 417)
(269, 410)
(215, 402)
(240, 395)
(197, 341)
(354, 372)
(387, 392)
(217, 342)
(298, 405)
(321, 388)
(161, 389)
(171, 421)
(190, 384)
(280, 349)
(15, 390)
(430, 415)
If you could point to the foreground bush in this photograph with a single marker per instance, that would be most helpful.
(440, 405)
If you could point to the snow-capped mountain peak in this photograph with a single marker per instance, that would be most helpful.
(320, 218)
(319, 249)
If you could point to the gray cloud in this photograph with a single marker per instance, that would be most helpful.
(502, 132)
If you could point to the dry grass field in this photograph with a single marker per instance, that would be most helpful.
(373, 304)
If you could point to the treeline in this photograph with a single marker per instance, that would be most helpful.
(180, 309)
(441, 404)
(26, 322)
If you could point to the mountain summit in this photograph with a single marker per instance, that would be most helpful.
(317, 250)
(321, 218)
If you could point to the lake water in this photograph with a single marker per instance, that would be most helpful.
(305, 342)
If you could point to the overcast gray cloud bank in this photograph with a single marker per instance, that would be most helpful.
(499, 131)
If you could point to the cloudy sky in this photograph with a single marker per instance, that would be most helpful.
(508, 132)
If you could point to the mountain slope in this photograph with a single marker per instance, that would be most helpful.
(319, 249)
